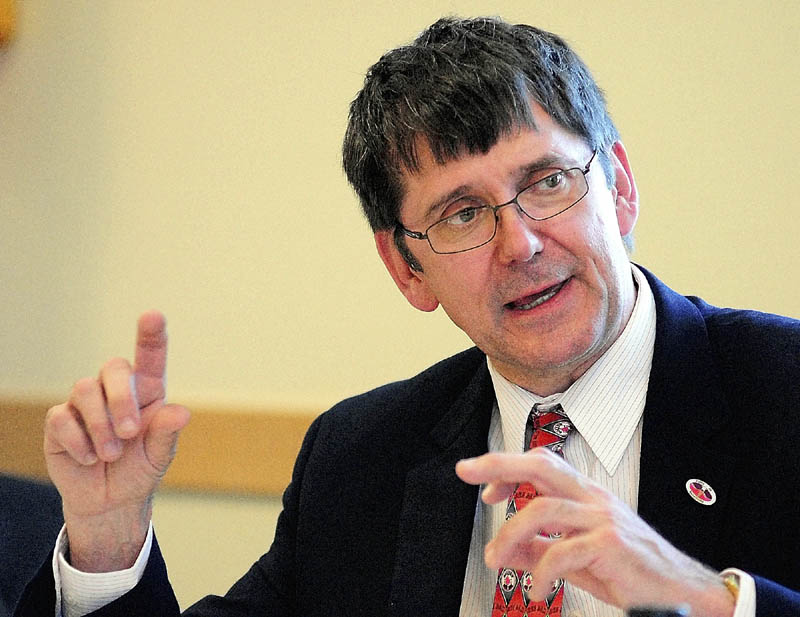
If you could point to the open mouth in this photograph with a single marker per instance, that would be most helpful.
(529, 302)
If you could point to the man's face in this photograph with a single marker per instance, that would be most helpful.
(543, 299)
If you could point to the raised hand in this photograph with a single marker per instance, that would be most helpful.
(108, 446)
(604, 548)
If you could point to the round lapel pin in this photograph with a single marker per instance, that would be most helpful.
(701, 492)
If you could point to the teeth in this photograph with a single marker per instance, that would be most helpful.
(540, 300)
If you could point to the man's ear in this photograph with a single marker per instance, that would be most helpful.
(627, 197)
(410, 282)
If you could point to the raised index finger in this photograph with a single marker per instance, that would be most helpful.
(150, 364)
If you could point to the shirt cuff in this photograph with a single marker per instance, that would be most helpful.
(79, 593)
(746, 604)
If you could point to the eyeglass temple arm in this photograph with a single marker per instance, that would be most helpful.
(417, 235)
(586, 168)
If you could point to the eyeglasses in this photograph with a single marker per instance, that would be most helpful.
(553, 192)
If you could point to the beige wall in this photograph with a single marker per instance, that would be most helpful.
(200, 559)
(185, 155)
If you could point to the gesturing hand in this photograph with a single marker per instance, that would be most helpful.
(605, 548)
(108, 446)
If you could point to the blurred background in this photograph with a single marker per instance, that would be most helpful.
(185, 156)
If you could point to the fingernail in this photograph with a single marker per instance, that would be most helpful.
(127, 428)
(113, 448)
(90, 459)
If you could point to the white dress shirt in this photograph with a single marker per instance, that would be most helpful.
(614, 387)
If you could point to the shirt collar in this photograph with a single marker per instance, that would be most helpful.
(605, 403)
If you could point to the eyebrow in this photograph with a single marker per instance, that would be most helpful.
(544, 162)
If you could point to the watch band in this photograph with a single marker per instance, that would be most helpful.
(731, 582)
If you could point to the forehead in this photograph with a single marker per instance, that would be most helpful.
(491, 175)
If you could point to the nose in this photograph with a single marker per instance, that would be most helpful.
(516, 238)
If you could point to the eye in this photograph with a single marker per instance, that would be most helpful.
(462, 217)
(553, 181)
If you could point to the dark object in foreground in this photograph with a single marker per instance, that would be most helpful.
(659, 611)
(30, 518)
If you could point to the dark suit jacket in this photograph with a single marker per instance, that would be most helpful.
(376, 522)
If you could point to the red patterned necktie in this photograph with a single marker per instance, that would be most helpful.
(547, 426)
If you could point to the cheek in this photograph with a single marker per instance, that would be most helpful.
(458, 281)
(599, 250)
(602, 238)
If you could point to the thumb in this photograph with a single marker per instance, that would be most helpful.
(161, 440)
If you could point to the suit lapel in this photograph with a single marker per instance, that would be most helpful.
(684, 414)
(438, 509)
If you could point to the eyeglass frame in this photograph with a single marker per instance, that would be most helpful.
(423, 235)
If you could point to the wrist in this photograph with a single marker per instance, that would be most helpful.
(107, 542)
(718, 598)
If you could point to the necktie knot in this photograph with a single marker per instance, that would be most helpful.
(547, 426)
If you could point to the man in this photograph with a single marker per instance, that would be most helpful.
(498, 188)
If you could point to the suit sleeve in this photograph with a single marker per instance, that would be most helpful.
(773, 600)
(152, 596)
